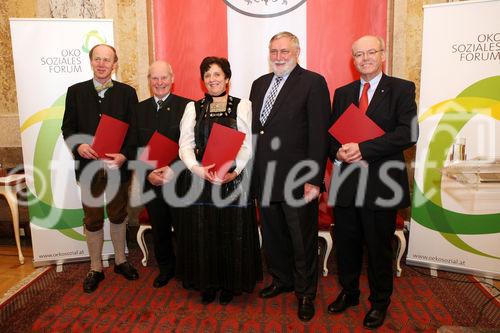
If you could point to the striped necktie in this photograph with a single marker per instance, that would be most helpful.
(268, 105)
(160, 104)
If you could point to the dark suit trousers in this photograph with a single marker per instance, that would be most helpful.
(161, 218)
(353, 228)
(290, 240)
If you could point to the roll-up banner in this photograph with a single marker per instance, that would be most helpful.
(49, 56)
(455, 222)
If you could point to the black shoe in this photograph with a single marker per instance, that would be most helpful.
(162, 280)
(273, 290)
(127, 270)
(225, 297)
(207, 296)
(342, 302)
(92, 280)
(306, 309)
(374, 318)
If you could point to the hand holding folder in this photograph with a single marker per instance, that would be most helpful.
(354, 126)
(109, 136)
(222, 147)
(160, 151)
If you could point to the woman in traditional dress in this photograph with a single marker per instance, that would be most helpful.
(218, 246)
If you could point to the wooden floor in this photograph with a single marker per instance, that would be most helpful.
(11, 271)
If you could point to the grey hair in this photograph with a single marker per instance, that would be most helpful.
(169, 67)
(294, 39)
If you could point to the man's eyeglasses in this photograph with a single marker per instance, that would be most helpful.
(370, 53)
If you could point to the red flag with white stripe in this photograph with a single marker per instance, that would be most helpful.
(187, 31)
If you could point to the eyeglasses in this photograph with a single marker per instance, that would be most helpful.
(275, 53)
(370, 53)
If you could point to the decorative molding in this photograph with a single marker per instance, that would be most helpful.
(76, 8)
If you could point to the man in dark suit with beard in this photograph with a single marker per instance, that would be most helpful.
(291, 111)
(162, 112)
(370, 181)
(86, 102)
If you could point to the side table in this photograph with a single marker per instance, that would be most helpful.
(9, 187)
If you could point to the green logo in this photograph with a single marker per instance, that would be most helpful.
(482, 97)
(92, 38)
(41, 206)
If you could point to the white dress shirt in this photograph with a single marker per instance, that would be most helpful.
(187, 140)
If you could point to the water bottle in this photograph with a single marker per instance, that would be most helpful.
(458, 150)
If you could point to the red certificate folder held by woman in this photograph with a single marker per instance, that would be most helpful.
(354, 126)
(109, 136)
(222, 147)
(160, 151)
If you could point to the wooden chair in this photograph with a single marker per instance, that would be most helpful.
(144, 225)
(324, 232)
(9, 187)
(399, 233)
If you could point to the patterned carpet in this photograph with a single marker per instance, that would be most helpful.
(54, 302)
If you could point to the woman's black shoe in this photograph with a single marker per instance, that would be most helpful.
(225, 297)
(207, 296)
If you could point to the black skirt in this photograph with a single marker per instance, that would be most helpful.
(218, 247)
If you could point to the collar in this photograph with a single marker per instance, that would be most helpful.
(373, 82)
(97, 83)
(163, 99)
(284, 76)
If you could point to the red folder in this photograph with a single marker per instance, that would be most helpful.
(222, 147)
(354, 126)
(160, 151)
(109, 136)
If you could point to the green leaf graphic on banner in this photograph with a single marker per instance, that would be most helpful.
(89, 36)
(486, 88)
(71, 233)
(483, 97)
(435, 217)
(44, 148)
(50, 217)
(458, 242)
(42, 210)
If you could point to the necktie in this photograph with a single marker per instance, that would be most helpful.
(160, 104)
(105, 86)
(363, 101)
(268, 104)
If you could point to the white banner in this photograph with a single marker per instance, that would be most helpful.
(456, 210)
(49, 56)
(246, 31)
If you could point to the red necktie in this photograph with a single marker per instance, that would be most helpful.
(363, 101)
